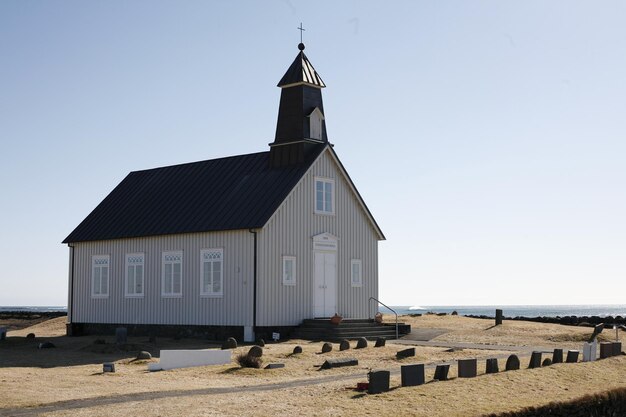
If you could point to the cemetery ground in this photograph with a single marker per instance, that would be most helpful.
(68, 380)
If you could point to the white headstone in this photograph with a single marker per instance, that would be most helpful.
(589, 351)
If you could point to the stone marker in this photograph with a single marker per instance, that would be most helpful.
(338, 363)
(121, 335)
(46, 345)
(492, 366)
(441, 372)
(499, 317)
(344, 345)
(30, 336)
(255, 351)
(108, 367)
(467, 368)
(378, 382)
(406, 353)
(590, 351)
(144, 355)
(412, 375)
(557, 356)
(546, 362)
(512, 363)
(361, 343)
(275, 365)
(596, 331)
(327, 347)
(572, 356)
(297, 349)
(380, 342)
(229, 343)
(606, 350)
(535, 360)
(3, 333)
(617, 348)
(260, 342)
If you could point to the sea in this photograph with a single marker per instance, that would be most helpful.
(600, 310)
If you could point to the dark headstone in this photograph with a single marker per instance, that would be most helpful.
(492, 366)
(412, 375)
(406, 353)
(441, 372)
(144, 355)
(378, 382)
(380, 342)
(572, 356)
(344, 345)
(260, 342)
(512, 363)
(361, 343)
(557, 356)
(596, 331)
(3, 333)
(467, 368)
(30, 336)
(327, 347)
(535, 360)
(255, 351)
(297, 349)
(229, 343)
(499, 317)
(108, 367)
(338, 363)
(606, 350)
(546, 362)
(275, 365)
(617, 348)
(46, 345)
(121, 335)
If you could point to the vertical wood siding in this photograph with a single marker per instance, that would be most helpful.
(233, 309)
(290, 231)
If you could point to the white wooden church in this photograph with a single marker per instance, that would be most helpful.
(237, 246)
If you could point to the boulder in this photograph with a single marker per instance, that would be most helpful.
(229, 343)
(361, 343)
(255, 351)
(344, 345)
(512, 363)
(327, 347)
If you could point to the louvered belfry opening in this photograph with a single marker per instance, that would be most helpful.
(301, 127)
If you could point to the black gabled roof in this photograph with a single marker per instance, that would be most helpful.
(238, 192)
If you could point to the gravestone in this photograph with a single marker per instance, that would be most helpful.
(275, 365)
(255, 351)
(557, 356)
(606, 350)
(361, 343)
(535, 360)
(344, 345)
(617, 348)
(467, 368)
(492, 366)
(327, 347)
(46, 345)
(572, 356)
(121, 335)
(380, 342)
(441, 372)
(230, 343)
(499, 317)
(108, 367)
(512, 363)
(260, 342)
(3, 333)
(297, 349)
(405, 353)
(412, 375)
(144, 355)
(590, 351)
(338, 363)
(378, 382)
(546, 362)
(30, 336)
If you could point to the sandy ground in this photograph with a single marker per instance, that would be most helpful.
(30, 377)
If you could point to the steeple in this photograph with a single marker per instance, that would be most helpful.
(301, 126)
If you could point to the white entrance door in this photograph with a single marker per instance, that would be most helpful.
(325, 298)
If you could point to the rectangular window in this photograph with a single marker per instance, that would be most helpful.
(172, 274)
(134, 274)
(211, 272)
(100, 275)
(289, 270)
(324, 196)
(356, 273)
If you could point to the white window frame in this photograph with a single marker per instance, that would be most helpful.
(97, 265)
(286, 280)
(205, 253)
(325, 181)
(133, 260)
(358, 282)
(166, 259)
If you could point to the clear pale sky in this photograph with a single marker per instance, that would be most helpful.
(486, 137)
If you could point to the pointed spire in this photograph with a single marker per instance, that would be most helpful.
(301, 72)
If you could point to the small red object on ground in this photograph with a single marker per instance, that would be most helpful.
(362, 386)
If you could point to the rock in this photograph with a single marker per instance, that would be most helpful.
(546, 362)
(492, 366)
(261, 342)
(337, 363)
(297, 349)
(454, 313)
(30, 336)
(344, 345)
(255, 351)
(46, 345)
(327, 347)
(380, 342)
(405, 353)
(361, 343)
(144, 355)
(535, 360)
(512, 363)
(229, 343)
(442, 314)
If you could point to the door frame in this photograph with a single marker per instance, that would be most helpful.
(324, 243)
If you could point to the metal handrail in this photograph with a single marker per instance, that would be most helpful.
(394, 311)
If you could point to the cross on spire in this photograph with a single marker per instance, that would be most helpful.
(301, 29)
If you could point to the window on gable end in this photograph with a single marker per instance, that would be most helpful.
(356, 273)
(289, 270)
(324, 196)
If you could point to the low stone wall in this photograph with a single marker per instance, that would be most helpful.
(567, 320)
(608, 403)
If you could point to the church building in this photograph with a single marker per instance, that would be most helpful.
(237, 246)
